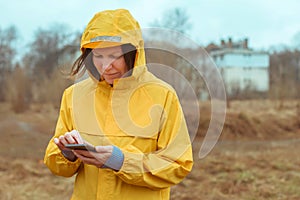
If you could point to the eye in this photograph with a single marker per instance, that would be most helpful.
(97, 55)
(115, 57)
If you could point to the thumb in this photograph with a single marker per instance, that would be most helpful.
(58, 144)
(104, 149)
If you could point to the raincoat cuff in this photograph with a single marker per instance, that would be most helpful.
(69, 155)
(116, 159)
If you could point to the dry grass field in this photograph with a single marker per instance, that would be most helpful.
(256, 157)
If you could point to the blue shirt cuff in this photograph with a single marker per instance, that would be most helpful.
(116, 159)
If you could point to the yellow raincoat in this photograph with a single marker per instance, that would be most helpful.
(140, 114)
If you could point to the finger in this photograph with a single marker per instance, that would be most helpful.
(57, 142)
(82, 156)
(77, 136)
(89, 161)
(62, 140)
(84, 153)
(69, 138)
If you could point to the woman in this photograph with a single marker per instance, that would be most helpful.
(133, 119)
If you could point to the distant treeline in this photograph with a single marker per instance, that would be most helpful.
(41, 74)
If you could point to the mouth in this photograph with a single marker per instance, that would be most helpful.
(112, 74)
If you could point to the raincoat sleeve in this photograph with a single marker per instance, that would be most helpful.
(54, 159)
(171, 162)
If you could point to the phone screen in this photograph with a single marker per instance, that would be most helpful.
(81, 147)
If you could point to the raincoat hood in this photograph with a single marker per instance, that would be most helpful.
(113, 28)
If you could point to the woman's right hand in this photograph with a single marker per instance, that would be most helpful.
(72, 137)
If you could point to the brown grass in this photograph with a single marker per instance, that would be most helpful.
(245, 170)
(256, 157)
(22, 91)
(256, 119)
(17, 90)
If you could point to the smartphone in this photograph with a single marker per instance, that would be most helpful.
(86, 147)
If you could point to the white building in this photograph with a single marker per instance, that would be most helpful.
(240, 66)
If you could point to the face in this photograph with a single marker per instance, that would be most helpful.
(110, 63)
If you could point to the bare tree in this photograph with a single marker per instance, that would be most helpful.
(284, 75)
(18, 89)
(296, 40)
(171, 46)
(176, 19)
(50, 57)
(47, 48)
(8, 38)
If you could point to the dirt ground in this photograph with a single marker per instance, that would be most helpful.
(256, 156)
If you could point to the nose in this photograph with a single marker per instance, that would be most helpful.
(106, 64)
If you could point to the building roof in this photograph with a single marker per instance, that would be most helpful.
(225, 47)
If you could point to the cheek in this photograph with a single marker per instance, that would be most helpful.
(99, 65)
(121, 66)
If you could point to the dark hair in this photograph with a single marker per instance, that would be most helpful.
(86, 59)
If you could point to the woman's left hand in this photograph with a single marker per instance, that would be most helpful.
(97, 158)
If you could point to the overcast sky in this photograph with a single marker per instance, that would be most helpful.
(264, 22)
